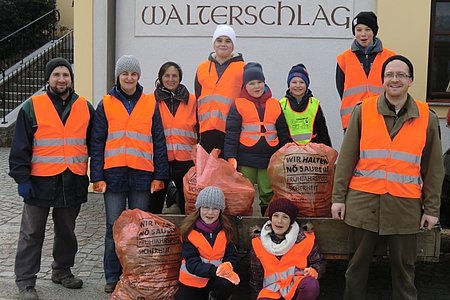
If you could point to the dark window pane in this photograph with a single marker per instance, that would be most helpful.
(442, 17)
(441, 64)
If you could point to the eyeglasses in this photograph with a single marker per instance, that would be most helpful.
(399, 76)
(207, 209)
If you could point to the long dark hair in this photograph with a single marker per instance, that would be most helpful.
(164, 68)
(188, 225)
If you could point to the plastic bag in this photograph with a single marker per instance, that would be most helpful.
(149, 250)
(210, 170)
(304, 174)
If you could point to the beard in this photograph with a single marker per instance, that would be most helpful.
(60, 92)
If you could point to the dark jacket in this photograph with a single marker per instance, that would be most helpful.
(366, 58)
(314, 259)
(122, 179)
(320, 130)
(195, 265)
(257, 156)
(62, 190)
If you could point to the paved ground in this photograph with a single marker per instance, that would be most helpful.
(433, 279)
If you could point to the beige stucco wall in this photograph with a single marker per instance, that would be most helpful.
(83, 24)
(66, 12)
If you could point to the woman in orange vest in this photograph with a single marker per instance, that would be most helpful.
(178, 109)
(218, 82)
(358, 68)
(209, 254)
(128, 154)
(256, 129)
(285, 261)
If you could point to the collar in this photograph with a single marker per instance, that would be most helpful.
(285, 245)
(410, 109)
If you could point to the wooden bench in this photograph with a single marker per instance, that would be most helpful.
(331, 236)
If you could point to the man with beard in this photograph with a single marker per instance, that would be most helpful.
(48, 160)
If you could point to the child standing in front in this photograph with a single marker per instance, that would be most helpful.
(209, 254)
(256, 129)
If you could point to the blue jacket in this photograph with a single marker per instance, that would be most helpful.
(196, 266)
(123, 179)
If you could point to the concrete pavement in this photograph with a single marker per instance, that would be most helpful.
(431, 278)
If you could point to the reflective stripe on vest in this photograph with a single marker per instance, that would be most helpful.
(58, 146)
(217, 94)
(251, 124)
(129, 141)
(208, 254)
(180, 130)
(282, 276)
(385, 165)
(301, 124)
(358, 85)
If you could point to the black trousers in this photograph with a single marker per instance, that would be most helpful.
(31, 239)
(222, 289)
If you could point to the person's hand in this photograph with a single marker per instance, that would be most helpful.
(233, 162)
(215, 152)
(338, 211)
(25, 190)
(156, 186)
(427, 222)
(225, 270)
(99, 186)
(310, 272)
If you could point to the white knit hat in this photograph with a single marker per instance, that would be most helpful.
(224, 30)
(211, 196)
(127, 63)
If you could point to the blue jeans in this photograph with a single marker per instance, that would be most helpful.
(115, 204)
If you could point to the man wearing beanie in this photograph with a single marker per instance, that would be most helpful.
(358, 68)
(302, 110)
(393, 191)
(218, 81)
(129, 156)
(281, 247)
(255, 129)
(208, 251)
(48, 160)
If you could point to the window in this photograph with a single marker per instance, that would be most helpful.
(439, 60)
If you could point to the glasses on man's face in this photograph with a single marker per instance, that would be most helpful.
(400, 76)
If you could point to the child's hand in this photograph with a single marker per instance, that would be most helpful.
(311, 272)
(99, 186)
(233, 162)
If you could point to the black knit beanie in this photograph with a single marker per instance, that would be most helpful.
(253, 71)
(367, 18)
(57, 62)
(283, 205)
(403, 59)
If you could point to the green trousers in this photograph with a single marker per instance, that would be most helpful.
(261, 178)
(402, 257)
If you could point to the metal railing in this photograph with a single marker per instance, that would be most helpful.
(22, 42)
(26, 80)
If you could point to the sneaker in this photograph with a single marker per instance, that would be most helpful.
(29, 293)
(110, 287)
(67, 280)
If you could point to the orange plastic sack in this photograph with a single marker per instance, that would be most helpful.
(210, 170)
(149, 250)
(304, 174)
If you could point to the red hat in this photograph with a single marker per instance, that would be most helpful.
(284, 205)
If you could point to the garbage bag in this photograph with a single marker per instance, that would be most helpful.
(304, 174)
(149, 251)
(211, 170)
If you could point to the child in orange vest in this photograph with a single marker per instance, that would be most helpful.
(209, 254)
(256, 128)
(285, 257)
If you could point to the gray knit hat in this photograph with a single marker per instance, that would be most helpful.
(127, 63)
(211, 196)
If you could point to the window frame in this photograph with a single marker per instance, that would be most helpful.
(435, 97)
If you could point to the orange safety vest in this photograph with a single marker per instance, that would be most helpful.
(129, 142)
(180, 130)
(385, 165)
(218, 94)
(282, 276)
(58, 146)
(251, 124)
(208, 254)
(358, 85)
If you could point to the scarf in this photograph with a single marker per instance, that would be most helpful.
(282, 248)
(207, 228)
